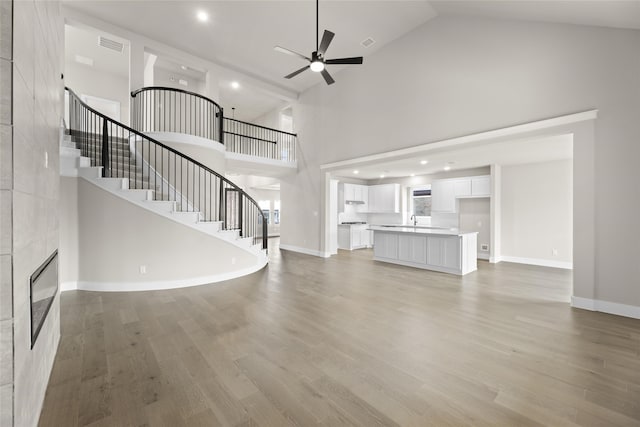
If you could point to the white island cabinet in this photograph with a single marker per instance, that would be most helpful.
(448, 251)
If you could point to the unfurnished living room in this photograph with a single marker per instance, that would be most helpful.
(313, 212)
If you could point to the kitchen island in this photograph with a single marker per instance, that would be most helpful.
(439, 249)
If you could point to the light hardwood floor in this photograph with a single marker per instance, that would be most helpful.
(346, 341)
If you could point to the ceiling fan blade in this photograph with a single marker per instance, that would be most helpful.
(354, 60)
(326, 40)
(327, 77)
(295, 73)
(290, 52)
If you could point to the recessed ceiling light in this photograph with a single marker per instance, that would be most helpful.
(356, 172)
(413, 174)
(235, 85)
(423, 162)
(184, 67)
(447, 168)
(382, 176)
(202, 16)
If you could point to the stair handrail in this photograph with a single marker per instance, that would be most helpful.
(169, 122)
(141, 135)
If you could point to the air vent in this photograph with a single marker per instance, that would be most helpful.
(110, 44)
(367, 42)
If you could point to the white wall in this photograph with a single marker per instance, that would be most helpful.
(537, 211)
(116, 237)
(162, 77)
(458, 76)
(85, 80)
(474, 215)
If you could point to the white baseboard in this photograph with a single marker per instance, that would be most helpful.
(618, 309)
(305, 251)
(484, 257)
(537, 261)
(159, 285)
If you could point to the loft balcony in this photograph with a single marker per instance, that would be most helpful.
(196, 125)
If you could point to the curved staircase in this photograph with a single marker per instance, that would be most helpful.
(159, 179)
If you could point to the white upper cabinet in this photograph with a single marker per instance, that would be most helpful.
(462, 187)
(384, 198)
(443, 197)
(481, 186)
(445, 192)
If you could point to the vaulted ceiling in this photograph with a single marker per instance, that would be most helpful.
(242, 34)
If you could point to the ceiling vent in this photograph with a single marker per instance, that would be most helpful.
(110, 44)
(367, 42)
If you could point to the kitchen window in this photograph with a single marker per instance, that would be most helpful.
(421, 201)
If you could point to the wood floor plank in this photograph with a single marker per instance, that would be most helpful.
(346, 341)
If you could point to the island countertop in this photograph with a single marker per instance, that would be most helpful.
(420, 230)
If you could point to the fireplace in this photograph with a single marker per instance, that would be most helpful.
(44, 286)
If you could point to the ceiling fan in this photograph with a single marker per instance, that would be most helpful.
(317, 61)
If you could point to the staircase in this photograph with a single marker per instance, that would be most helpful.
(145, 172)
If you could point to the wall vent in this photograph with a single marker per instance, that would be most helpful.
(110, 44)
(367, 42)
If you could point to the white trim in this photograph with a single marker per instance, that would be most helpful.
(618, 309)
(68, 286)
(183, 138)
(159, 285)
(537, 261)
(305, 251)
(477, 137)
(483, 256)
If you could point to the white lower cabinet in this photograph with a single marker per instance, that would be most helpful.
(412, 248)
(386, 246)
(352, 237)
(454, 254)
(443, 251)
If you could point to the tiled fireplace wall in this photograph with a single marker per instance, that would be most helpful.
(31, 91)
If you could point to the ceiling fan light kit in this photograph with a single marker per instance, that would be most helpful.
(317, 61)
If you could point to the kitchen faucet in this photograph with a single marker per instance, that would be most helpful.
(415, 220)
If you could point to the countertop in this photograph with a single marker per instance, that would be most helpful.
(420, 230)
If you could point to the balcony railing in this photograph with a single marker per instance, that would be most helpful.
(165, 109)
(255, 140)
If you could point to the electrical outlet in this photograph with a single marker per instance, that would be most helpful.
(479, 224)
(484, 247)
(143, 269)
(554, 252)
(46, 159)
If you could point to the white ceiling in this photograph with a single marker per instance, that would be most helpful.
(603, 13)
(242, 34)
(84, 42)
(501, 153)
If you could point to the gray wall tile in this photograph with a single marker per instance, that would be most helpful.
(6, 289)
(5, 92)
(6, 28)
(6, 352)
(6, 156)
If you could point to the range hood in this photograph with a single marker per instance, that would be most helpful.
(353, 202)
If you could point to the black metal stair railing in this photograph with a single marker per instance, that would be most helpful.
(148, 164)
(165, 109)
(255, 140)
